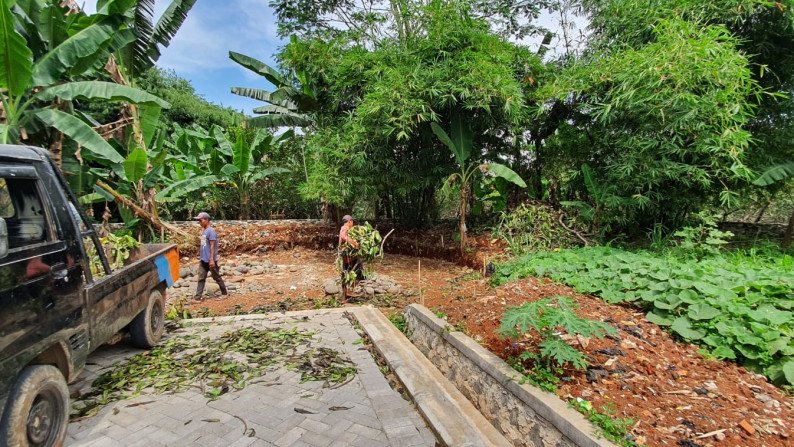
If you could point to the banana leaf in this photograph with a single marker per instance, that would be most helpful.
(135, 165)
(259, 68)
(278, 120)
(85, 48)
(775, 174)
(242, 154)
(93, 144)
(102, 90)
(506, 173)
(17, 58)
(224, 145)
(187, 186)
(268, 172)
(278, 97)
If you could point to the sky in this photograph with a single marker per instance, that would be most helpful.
(200, 50)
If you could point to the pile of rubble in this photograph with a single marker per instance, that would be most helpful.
(374, 285)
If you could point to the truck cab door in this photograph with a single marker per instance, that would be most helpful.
(40, 281)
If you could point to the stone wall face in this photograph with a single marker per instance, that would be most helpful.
(527, 416)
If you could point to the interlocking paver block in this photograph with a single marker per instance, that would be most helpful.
(290, 437)
(316, 439)
(263, 413)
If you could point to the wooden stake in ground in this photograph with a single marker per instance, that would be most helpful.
(421, 300)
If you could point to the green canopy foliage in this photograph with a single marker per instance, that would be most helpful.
(372, 141)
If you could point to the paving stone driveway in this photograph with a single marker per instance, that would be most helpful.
(377, 415)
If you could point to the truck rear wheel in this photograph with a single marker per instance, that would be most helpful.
(147, 327)
(37, 411)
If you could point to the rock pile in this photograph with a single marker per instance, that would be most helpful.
(233, 272)
(374, 285)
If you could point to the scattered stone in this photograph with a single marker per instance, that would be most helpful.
(297, 255)
(594, 373)
(610, 352)
(763, 397)
(184, 272)
(294, 268)
(242, 269)
(772, 404)
(257, 270)
(330, 287)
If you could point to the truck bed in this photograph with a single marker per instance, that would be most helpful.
(115, 299)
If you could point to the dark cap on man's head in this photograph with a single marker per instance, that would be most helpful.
(347, 218)
(202, 215)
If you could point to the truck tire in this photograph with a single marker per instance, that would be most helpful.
(147, 327)
(37, 411)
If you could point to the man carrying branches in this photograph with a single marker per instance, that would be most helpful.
(352, 271)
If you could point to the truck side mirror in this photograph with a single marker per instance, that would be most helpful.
(3, 238)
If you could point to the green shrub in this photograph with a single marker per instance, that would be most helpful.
(533, 227)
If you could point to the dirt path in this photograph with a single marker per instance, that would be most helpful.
(673, 395)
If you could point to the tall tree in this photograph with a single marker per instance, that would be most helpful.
(675, 103)
(372, 141)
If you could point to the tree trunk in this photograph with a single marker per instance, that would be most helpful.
(789, 232)
(244, 214)
(462, 222)
(152, 219)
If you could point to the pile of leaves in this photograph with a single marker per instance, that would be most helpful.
(218, 365)
(735, 309)
(117, 248)
(535, 227)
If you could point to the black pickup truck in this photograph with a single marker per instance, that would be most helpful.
(53, 310)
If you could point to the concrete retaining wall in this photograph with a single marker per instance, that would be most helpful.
(526, 415)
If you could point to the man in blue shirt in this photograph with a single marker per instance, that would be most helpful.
(208, 257)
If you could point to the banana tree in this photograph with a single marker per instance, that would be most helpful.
(224, 164)
(603, 198)
(132, 60)
(774, 174)
(40, 72)
(289, 106)
(461, 146)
